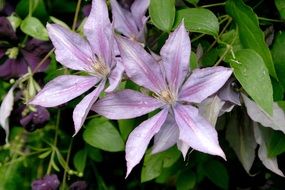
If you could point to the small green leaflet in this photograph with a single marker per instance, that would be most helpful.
(100, 133)
(162, 14)
(34, 28)
(198, 20)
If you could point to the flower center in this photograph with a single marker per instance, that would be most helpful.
(100, 68)
(167, 96)
(12, 53)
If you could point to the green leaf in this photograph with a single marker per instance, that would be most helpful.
(15, 21)
(153, 163)
(278, 55)
(125, 127)
(193, 2)
(280, 4)
(59, 22)
(250, 35)
(193, 61)
(101, 134)
(186, 180)
(94, 153)
(34, 28)
(79, 160)
(38, 9)
(162, 14)
(276, 144)
(217, 173)
(198, 20)
(251, 72)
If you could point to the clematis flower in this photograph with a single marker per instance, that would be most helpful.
(130, 21)
(94, 56)
(172, 91)
(17, 58)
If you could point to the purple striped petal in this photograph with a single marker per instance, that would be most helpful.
(98, 31)
(62, 89)
(139, 139)
(115, 76)
(123, 20)
(82, 109)
(175, 56)
(140, 66)
(71, 49)
(196, 131)
(138, 9)
(126, 104)
(203, 83)
(166, 137)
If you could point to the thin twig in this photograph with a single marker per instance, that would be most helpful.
(76, 14)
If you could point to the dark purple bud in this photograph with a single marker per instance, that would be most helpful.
(41, 115)
(35, 120)
(49, 182)
(78, 185)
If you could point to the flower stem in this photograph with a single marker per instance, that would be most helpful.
(213, 5)
(54, 143)
(43, 60)
(65, 171)
(76, 14)
(30, 8)
(270, 20)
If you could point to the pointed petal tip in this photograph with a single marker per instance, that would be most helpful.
(128, 172)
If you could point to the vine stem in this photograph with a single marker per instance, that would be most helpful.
(269, 19)
(43, 60)
(67, 160)
(76, 14)
(228, 48)
(54, 143)
(221, 33)
(213, 5)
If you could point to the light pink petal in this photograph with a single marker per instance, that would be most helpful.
(123, 20)
(115, 76)
(139, 139)
(71, 49)
(175, 56)
(98, 31)
(166, 137)
(82, 109)
(203, 83)
(125, 104)
(6, 109)
(183, 147)
(138, 9)
(196, 131)
(62, 89)
(140, 66)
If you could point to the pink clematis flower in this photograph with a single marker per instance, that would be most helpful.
(176, 94)
(131, 22)
(95, 56)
